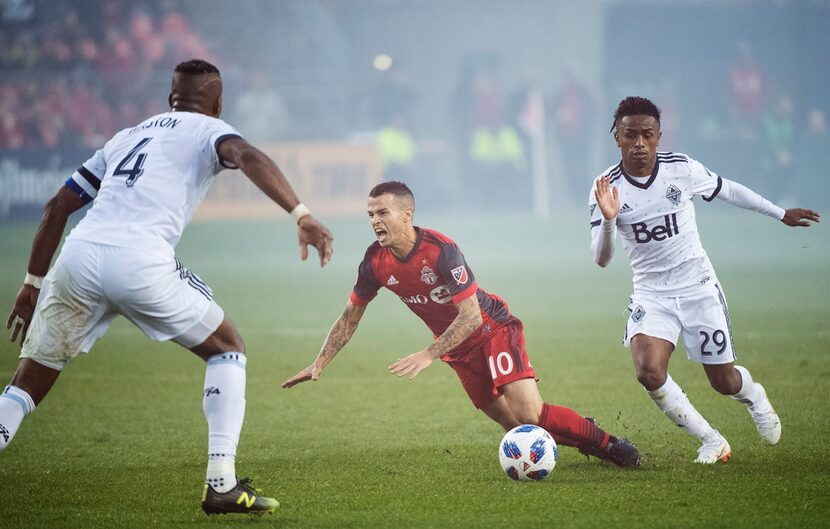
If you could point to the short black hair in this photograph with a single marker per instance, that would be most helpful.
(393, 187)
(635, 106)
(196, 67)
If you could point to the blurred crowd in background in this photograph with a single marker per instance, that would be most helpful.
(753, 106)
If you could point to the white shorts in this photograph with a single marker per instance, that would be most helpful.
(92, 283)
(702, 317)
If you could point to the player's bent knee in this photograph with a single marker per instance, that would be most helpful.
(651, 379)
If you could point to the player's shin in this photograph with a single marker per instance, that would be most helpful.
(570, 428)
(224, 406)
(675, 404)
(15, 405)
(754, 396)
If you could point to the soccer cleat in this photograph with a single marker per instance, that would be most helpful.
(714, 448)
(621, 452)
(766, 420)
(241, 499)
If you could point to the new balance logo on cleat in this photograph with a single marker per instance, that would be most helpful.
(242, 499)
(391, 281)
(5, 433)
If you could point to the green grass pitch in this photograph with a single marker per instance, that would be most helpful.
(121, 440)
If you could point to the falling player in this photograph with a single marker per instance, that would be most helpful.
(647, 197)
(474, 331)
(144, 185)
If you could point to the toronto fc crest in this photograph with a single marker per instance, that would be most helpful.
(428, 276)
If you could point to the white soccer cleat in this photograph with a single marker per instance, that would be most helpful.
(714, 448)
(766, 420)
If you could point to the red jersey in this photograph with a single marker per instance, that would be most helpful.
(430, 281)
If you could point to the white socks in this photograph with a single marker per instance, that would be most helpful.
(750, 392)
(673, 402)
(224, 406)
(15, 405)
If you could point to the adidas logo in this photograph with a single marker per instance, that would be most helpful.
(625, 209)
(391, 281)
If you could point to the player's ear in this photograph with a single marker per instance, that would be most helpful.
(218, 109)
(617, 138)
(170, 99)
(659, 135)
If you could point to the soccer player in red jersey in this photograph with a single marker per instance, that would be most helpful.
(474, 331)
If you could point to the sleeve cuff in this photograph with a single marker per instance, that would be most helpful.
(223, 162)
(466, 293)
(357, 300)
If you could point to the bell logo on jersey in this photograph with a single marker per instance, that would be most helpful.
(661, 232)
(460, 274)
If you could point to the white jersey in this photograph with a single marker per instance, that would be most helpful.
(148, 180)
(657, 224)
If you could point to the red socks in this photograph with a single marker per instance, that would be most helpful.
(570, 428)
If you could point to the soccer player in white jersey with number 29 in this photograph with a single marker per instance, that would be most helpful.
(647, 198)
(145, 184)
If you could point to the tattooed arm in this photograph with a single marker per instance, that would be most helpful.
(468, 320)
(339, 335)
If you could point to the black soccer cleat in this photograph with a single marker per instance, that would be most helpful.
(242, 499)
(621, 452)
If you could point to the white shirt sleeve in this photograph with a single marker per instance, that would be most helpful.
(216, 132)
(603, 232)
(86, 180)
(705, 183)
(743, 197)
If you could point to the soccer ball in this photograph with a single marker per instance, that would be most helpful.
(528, 453)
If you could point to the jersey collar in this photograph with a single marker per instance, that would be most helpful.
(418, 237)
(647, 183)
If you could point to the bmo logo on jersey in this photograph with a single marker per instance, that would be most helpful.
(661, 232)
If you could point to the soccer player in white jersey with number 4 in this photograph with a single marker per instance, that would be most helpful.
(647, 198)
(145, 185)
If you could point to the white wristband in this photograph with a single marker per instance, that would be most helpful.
(33, 280)
(299, 212)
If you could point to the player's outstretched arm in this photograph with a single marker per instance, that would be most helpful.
(468, 320)
(48, 236)
(339, 335)
(743, 197)
(602, 236)
(265, 174)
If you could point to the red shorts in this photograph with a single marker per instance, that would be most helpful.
(499, 361)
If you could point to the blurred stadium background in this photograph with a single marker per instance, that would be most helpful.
(497, 115)
(482, 105)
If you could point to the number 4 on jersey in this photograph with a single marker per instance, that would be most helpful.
(137, 169)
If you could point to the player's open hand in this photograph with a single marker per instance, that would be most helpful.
(312, 373)
(608, 197)
(310, 231)
(800, 217)
(22, 312)
(412, 364)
